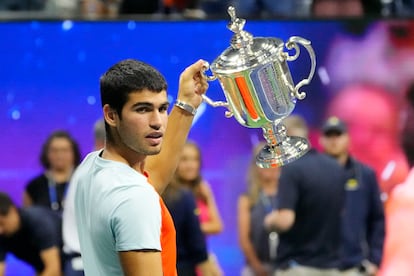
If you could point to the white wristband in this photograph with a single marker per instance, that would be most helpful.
(185, 106)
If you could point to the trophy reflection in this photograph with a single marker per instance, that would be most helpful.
(259, 89)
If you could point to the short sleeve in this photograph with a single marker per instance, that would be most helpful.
(136, 221)
(31, 188)
(288, 190)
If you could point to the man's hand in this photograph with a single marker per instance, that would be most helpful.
(260, 270)
(279, 220)
(269, 220)
(193, 84)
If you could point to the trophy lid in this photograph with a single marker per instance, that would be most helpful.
(245, 51)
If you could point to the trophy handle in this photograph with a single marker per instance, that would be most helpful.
(206, 66)
(209, 101)
(292, 43)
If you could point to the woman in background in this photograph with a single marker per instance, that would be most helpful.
(188, 175)
(192, 254)
(258, 244)
(59, 156)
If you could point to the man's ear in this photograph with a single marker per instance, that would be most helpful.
(110, 115)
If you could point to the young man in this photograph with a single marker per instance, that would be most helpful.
(364, 223)
(308, 215)
(32, 235)
(124, 227)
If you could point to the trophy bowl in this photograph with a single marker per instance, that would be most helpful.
(259, 90)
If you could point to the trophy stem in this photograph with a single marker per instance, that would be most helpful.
(280, 149)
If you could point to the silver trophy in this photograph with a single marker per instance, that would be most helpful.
(259, 89)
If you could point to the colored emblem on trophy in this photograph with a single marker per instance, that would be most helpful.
(259, 90)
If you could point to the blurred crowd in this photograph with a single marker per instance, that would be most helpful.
(207, 9)
(321, 215)
(279, 205)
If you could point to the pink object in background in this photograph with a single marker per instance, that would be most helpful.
(399, 250)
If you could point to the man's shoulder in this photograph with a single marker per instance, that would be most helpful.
(35, 211)
(37, 219)
(315, 157)
(36, 181)
(38, 213)
(363, 166)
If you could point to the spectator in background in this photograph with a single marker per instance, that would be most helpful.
(364, 225)
(215, 8)
(403, 7)
(399, 249)
(139, 7)
(190, 9)
(63, 8)
(188, 175)
(373, 128)
(73, 265)
(32, 235)
(272, 9)
(99, 134)
(59, 156)
(258, 244)
(192, 254)
(309, 211)
(346, 8)
(22, 5)
(337, 8)
(98, 8)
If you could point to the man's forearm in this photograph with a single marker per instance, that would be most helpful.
(51, 261)
(162, 166)
(2, 268)
(50, 272)
(280, 220)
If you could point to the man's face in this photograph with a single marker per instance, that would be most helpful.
(144, 120)
(9, 223)
(189, 164)
(335, 143)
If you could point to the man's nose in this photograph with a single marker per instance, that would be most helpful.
(156, 120)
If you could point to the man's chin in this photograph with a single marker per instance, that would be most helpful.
(154, 150)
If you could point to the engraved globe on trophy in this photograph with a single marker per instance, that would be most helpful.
(259, 89)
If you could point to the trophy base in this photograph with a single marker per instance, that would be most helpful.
(287, 151)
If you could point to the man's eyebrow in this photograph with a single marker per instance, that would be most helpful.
(149, 104)
(142, 104)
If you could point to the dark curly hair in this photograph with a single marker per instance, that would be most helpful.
(125, 77)
(59, 134)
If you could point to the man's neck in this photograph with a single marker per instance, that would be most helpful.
(342, 159)
(123, 155)
(60, 175)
